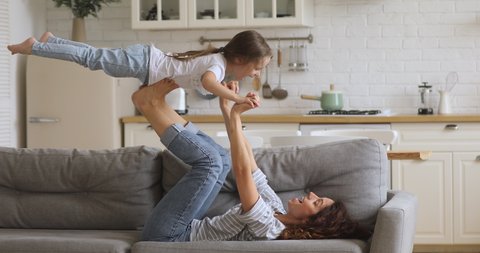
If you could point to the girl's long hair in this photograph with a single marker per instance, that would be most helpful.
(247, 46)
(330, 223)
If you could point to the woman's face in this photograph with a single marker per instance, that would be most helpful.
(309, 205)
(250, 69)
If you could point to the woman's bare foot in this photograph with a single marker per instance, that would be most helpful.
(45, 36)
(153, 96)
(22, 48)
(150, 101)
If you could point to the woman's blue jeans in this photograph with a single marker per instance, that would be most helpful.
(193, 194)
(132, 61)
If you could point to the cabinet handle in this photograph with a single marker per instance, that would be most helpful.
(43, 120)
(149, 127)
(451, 127)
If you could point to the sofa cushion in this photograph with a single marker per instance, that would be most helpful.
(284, 246)
(352, 171)
(78, 189)
(67, 241)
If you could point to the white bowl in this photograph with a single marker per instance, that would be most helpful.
(262, 14)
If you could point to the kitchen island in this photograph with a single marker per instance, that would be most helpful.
(326, 119)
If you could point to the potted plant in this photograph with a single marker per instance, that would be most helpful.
(80, 10)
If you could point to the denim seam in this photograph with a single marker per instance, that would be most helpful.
(182, 213)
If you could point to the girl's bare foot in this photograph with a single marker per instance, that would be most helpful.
(45, 36)
(22, 48)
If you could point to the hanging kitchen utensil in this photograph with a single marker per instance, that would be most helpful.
(292, 56)
(451, 81)
(209, 46)
(279, 92)
(256, 83)
(302, 64)
(266, 90)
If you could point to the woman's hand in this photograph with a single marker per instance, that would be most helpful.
(233, 86)
(254, 100)
(250, 99)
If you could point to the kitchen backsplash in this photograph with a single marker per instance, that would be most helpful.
(376, 51)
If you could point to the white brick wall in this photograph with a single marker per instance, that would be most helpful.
(377, 52)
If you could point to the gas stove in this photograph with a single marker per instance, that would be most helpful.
(344, 112)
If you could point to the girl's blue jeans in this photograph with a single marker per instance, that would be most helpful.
(193, 194)
(132, 61)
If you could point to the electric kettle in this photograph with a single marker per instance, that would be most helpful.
(177, 99)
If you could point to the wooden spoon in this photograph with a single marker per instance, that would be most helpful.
(279, 92)
(256, 83)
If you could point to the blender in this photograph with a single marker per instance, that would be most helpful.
(425, 91)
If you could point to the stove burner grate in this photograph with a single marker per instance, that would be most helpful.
(344, 112)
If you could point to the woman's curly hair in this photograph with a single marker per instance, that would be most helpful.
(332, 222)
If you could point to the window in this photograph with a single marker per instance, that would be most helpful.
(6, 107)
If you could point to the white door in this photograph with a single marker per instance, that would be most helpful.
(431, 182)
(466, 201)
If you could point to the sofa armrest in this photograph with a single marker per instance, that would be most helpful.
(395, 226)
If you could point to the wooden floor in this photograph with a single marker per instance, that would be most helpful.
(446, 249)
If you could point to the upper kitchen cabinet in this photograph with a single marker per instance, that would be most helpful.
(286, 13)
(159, 14)
(185, 14)
(216, 13)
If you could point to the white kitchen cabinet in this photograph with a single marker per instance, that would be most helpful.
(142, 133)
(185, 14)
(271, 13)
(466, 203)
(431, 181)
(159, 14)
(445, 184)
(216, 13)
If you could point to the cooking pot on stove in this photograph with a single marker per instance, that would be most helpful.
(330, 100)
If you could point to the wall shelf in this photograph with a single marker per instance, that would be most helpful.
(308, 38)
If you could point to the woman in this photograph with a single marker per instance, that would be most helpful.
(259, 216)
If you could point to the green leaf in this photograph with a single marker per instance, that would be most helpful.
(84, 8)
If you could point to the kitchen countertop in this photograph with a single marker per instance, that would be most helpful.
(325, 119)
(344, 119)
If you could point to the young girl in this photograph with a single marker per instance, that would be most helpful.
(245, 55)
(260, 215)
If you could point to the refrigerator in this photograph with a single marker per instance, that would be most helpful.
(70, 106)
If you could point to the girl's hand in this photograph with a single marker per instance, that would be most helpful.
(243, 107)
(252, 100)
(233, 86)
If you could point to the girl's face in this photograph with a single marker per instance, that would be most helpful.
(250, 69)
(309, 205)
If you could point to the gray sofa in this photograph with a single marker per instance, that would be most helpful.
(95, 201)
